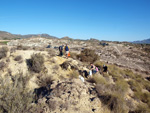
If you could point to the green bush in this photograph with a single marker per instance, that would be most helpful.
(36, 63)
(88, 55)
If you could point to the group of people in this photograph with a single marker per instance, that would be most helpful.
(62, 49)
(95, 69)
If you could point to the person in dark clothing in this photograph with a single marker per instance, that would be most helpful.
(61, 50)
(105, 68)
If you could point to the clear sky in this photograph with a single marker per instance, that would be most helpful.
(115, 20)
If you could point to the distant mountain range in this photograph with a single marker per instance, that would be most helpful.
(146, 41)
(8, 36)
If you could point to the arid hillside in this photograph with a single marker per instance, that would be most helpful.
(132, 56)
(35, 79)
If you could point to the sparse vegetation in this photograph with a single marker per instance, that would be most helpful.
(120, 90)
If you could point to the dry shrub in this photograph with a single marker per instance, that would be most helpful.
(65, 65)
(88, 55)
(36, 63)
(44, 81)
(18, 58)
(3, 52)
(14, 96)
(2, 65)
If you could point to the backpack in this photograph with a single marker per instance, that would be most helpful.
(66, 48)
(60, 48)
(96, 69)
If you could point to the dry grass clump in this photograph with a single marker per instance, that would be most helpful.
(36, 63)
(14, 96)
(3, 52)
(88, 55)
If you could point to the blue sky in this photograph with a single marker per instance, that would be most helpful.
(115, 20)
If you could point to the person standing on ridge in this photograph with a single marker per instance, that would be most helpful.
(67, 50)
(61, 50)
